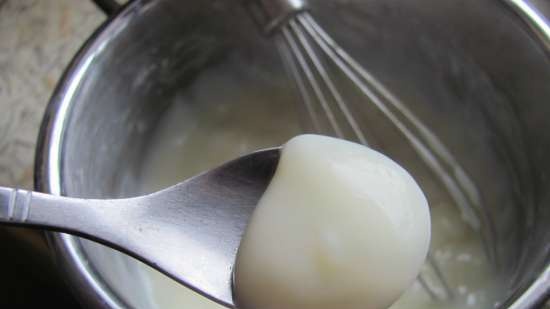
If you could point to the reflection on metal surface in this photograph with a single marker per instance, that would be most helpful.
(534, 18)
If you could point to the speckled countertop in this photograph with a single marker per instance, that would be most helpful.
(38, 39)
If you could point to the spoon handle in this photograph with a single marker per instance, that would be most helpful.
(45, 211)
(11, 208)
(15, 205)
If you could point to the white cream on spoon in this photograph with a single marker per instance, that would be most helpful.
(340, 226)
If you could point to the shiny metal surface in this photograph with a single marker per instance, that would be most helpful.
(271, 14)
(483, 93)
(536, 15)
(190, 231)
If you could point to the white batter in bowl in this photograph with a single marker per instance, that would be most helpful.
(191, 139)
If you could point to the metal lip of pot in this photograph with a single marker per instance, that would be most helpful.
(89, 286)
(82, 279)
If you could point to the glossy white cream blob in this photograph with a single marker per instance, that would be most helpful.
(340, 226)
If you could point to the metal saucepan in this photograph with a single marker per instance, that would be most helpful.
(477, 72)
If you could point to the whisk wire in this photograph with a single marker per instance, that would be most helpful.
(328, 81)
(313, 82)
(292, 69)
(431, 149)
(310, 74)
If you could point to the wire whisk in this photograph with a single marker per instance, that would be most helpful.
(318, 64)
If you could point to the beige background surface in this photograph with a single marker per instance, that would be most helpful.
(37, 40)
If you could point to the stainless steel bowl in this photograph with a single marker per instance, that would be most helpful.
(477, 72)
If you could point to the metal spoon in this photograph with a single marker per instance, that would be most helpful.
(190, 231)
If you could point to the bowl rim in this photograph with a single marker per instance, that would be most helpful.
(83, 279)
